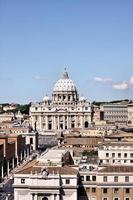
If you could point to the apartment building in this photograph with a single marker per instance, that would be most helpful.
(117, 113)
(130, 114)
(107, 183)
(116, 153)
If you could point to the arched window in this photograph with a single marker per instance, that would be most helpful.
(86, 124)
(44, 198)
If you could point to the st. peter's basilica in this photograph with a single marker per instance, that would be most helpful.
(65, 110)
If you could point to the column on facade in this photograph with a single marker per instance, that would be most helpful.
(34, 196)
(17, 159)
(67, 121)
(76, 121)
(56, 197)
(2, 170)
(89, 118)
(46, 119)
(7, 167)
(29, 150)
(54, 122)
(33, 121)
(58, 123)
(82, 121)
(13, 162)
(70, 121)
(25, 153)
(40, 123)
(62, 98)
(21, 156)
(64, 122)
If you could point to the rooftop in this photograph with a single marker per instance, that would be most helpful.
(120, 143)
(33, 168)
(53, 154)
(117, 169)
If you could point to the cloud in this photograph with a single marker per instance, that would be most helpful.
(131, 80)
(121, 86)
(39, 78)
(103, 80)
(124, 85)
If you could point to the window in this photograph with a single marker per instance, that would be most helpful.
(31, 140)
(22, 180)
(126, 178)
(119, 155)
(113, 155)
(93, 178)
(125, 155)
(107, 154)
(131, 161)
(67, 181)
(101, 161)
(88, 190)
(127, 191)
(82, 178)
(131, 155)
(105, 190)
(127, 198)
(115, 178)
(105, 198)
(44, 198)
(116, 198)
(49, 126)
(93, 190)
(105, 179)
(116, 190)
(87, 178)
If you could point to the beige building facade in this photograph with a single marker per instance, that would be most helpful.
(47, 178)
(107, 183)
(130, 114)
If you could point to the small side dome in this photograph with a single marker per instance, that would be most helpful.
(82, 98)
(46, 98)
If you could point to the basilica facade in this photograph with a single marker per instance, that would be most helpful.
(65, 110)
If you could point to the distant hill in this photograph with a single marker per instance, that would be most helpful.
(24, 109)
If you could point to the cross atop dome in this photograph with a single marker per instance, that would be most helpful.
(65, 74)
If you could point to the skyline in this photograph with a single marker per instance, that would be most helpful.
(93, 40)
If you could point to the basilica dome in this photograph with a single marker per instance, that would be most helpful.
(64, 84)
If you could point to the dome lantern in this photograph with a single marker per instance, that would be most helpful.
(65, 74)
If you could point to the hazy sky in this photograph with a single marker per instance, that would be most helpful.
(92, 38)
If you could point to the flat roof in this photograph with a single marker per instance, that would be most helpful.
(53, 154)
